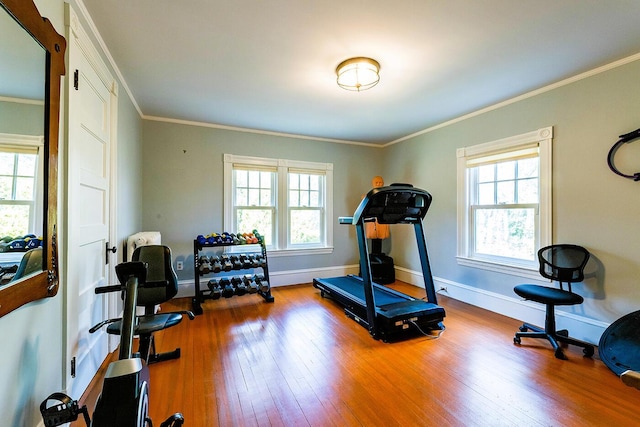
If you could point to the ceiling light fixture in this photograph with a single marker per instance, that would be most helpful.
(358, 74)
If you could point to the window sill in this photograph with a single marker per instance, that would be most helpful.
(275, 253)
(514, 270)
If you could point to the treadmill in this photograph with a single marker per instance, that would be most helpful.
(388, 315)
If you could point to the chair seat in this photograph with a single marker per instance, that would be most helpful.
(149, 323)
(547, 295)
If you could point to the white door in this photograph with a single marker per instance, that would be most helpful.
(91, 99)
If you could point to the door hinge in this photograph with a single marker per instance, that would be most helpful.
(73, 367)
(76, 78)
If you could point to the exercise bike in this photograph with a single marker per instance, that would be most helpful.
(124, 400)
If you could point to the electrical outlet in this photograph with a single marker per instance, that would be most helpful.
(179, 265)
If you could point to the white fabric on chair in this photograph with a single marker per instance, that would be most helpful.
(142, 238)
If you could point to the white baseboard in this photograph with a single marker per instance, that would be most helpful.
(580, 327)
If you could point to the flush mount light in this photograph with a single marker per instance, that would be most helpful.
(358, 74)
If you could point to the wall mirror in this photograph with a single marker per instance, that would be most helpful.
(31, 66)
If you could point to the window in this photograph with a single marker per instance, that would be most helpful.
(288, 202)
(504, 201)
(19, 185)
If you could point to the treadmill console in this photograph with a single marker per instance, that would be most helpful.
(394, 204)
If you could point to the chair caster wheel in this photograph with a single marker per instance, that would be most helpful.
(563, 333)
(523, 328)
(517, 340)
(588, 351)
(560, 354)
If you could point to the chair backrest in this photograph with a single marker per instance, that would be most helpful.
(31, 262)
(159, 269)
(563, 262)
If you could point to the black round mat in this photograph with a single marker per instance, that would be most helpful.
(620, 344)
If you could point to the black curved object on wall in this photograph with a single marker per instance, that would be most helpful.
(627, 137)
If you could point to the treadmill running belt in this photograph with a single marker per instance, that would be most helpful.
(355, 288)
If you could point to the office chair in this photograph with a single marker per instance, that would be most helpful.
(565, 264)
(31, 262)
(159, 272)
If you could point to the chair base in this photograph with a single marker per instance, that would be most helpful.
(555, 338)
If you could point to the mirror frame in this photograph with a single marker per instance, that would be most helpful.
(45, 283)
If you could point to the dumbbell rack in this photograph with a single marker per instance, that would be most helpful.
(202, 294)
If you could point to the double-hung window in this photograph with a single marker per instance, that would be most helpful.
(504, 201)
(19, 186)
(289, 202)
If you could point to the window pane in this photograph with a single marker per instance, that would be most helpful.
(26, 164)
(314, 199)
(254, 197)
(305, 226)
(265, 198)
(294, 180)
(528, 168)
(486, 194)
(14, 220)
(486, 173)
(506, 192)
(254, 179)
(304, 181)
(242, 197)
(294, 199)
(256, 219)
(6, 188)
(241, 178)
(528, 190)
(314, 183)
(505, 232)
(266, 179)
(304, 198)
(6, 163)
(24, 188)
(506, 170)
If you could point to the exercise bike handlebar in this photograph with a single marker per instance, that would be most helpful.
(122, 287)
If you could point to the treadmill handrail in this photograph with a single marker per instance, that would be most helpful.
(394, 204)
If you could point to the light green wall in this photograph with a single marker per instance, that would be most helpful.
(21, 119)
(591, 206)
(183, 170)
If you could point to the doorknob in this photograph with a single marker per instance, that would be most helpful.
(112, 250)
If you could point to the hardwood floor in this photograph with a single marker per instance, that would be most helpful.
(301, 362)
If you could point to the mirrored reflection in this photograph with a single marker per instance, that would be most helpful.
(22, 89)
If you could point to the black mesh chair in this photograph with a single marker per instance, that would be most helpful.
(565, 264)
(164, 286)
(31, 263)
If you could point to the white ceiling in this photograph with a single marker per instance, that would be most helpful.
(270, 65)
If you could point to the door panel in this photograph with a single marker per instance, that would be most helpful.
(89, 223)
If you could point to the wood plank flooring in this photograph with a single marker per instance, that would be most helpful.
(301, 362)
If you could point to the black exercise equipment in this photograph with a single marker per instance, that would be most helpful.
(627, 137)
(565, 264)
(161, 275)
(124, 400)
(619, 346)
(387, 314)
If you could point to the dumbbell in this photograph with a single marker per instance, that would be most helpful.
(240, 288)
(250, 284)
(226, 263)
(263, 284)
(246, 262)
(214, 287)
(237, 265)
(216, 266)
(227, 289)
(254, 262)
(204, 265)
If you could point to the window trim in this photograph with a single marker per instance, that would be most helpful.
(283, 166)
(543, 138)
